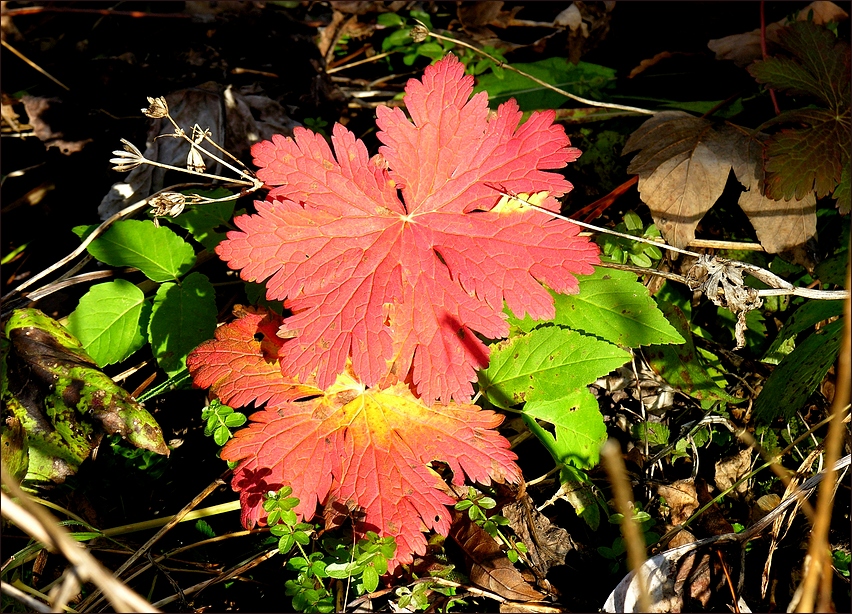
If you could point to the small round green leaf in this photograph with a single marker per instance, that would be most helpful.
(370, 579)
(110, 321)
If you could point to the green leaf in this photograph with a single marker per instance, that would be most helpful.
(202, 220)
(654, 433)
(680, 365)
(204, 528)
(575, 487)
(390, 20)
(221, 435)
(545, 364)
(801, 160)
(798, 375)
(111, 321)
(582, 79)
(341, 570)
(614, 306)
(84, 230)
(235, 420)
(158, 252)
(370, 578)
(580, 429)
(184, 315)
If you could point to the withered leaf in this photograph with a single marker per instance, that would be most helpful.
(489, 566)
(62, 400)
(547, 544)
(683, 165)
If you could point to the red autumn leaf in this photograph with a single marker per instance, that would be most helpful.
(366, 447)
(241, 365)
(393, 261)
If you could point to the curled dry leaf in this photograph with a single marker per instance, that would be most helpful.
(547, 544)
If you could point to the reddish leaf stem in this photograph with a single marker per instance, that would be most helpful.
(763, 51)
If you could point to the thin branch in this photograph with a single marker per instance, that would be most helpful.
(34, 65)
(422, 30)
(779, 286)
(88, 602)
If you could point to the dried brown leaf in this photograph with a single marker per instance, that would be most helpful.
(489, 566)
(780, 225)
(681, 499)
(731, 469)
(547, 543)
(683, 165)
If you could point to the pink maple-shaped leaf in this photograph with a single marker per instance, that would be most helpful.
(241, 363)
(401, 284)
(366, 447)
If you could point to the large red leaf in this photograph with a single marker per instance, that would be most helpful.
(393, 261)
(365, 447)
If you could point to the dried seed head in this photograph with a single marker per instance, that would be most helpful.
(418, 34)
(168, 204)
(128, 158)
(194, 161)
(158, 107)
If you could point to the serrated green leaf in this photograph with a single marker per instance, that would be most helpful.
(652, 433)
(202, 220)
(680, 365)
(204, 528)
(547, 363)
(786, 74)
(158, 252)
(111, 321)
(798, 375)
(820, 66)
(580, 429)
(581, 79)
(614, 306)
(184, 315)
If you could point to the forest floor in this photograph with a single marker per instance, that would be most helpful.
(90, 67)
